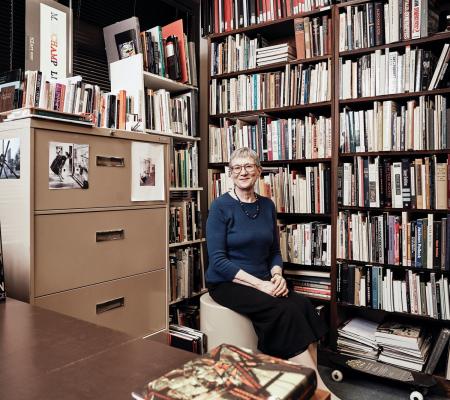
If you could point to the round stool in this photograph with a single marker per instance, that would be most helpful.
(222, 325)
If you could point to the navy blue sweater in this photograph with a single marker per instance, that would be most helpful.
(237, 242)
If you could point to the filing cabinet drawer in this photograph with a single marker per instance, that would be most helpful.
(77, 249)
(109, 173)
(134, 305)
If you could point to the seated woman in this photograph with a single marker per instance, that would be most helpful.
(245, 272)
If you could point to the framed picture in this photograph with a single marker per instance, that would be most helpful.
(148, 172)
(68, 166)
(10, 158)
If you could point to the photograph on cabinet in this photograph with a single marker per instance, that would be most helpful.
(147, 172)
(68, 166)
(10, 158)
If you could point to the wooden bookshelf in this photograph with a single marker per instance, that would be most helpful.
(338, 311)
(435, 38)
(393, 266)
(270, 67)
(280, 25)
(187, 243)
(277, 110)
(153, 81)
(396, 96)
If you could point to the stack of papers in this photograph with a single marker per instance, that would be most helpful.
(274, 54)
(403, 345)
(356, 338)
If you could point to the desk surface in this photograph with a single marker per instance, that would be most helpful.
(46, 355)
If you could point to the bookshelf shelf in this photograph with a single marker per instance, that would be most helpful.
(290, 265)
(278, 110)
(393, 266)
(271, 67)
(396, 210)
(184, 189)
(396, 96)
(303, 215)
(275, 163)
(175, 136)
(278, 24)
(187, 243)
(179, 300)
(405, 153)
(438, 37)
(396, 313)
(153, 81)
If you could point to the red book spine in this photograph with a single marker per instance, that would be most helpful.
(288, 8)
(216, 16)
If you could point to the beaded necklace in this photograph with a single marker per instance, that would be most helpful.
(243, 208)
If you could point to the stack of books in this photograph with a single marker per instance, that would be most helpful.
(403, 345)
(356, 338)
(185, 338)
(274, 54)
(314, 284)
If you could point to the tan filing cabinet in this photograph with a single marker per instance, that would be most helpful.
(90, 253)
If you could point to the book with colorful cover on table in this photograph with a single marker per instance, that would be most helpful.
(231, 372)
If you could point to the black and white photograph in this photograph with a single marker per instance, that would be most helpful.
(10, 158)
(147, 169)
(68, 166)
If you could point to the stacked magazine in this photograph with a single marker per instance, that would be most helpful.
(274, 54)
(403, 345)
(356, 338)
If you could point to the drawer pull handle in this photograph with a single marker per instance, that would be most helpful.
(110, 305)
(105, 161)
(106, 236)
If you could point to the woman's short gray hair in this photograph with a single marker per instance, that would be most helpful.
(244, 152)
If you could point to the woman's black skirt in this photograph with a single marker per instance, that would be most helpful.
(285, 326)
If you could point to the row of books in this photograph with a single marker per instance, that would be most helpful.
(235, 53)
(184, 160)
(306, 244)
(171, 114)
(377, 22)
(272, 139)
(225, 15)
(167, 52)
(185, 338)
(185, 314)
(296, 85)
(420, 183)
(394, 240)
(184, 221)
(315, 284)
(392, 342)
(306, 190)
(391, 72)
(70, 96)
(421, 124)
(395, 291)
(185, 273)
(313, 36)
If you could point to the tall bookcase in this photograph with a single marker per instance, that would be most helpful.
(283, 28)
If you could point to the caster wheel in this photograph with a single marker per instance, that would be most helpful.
(415, 395)
(337, 376)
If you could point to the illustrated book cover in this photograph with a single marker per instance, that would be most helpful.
(230, 372)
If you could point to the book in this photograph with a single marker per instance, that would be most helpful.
(122, 39)
(175, 29)
(231, 372)
(438, 349)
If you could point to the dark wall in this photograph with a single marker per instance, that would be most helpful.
(89, 17)
(15, 29)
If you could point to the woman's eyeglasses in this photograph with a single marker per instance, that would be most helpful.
(236, 169)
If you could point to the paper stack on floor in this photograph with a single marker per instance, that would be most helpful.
(356, 338)
(403, 345)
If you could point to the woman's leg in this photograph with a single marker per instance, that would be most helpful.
(309, 359)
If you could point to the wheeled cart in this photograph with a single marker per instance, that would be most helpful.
(418, 382)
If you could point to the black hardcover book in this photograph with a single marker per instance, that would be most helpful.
(351, 284)
(379, 23)
(437, 244)
(173, 58)
(366, 181)
(406, 183)
(438, 348)
(447, 251)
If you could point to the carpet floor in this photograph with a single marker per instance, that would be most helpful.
(362, 387)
